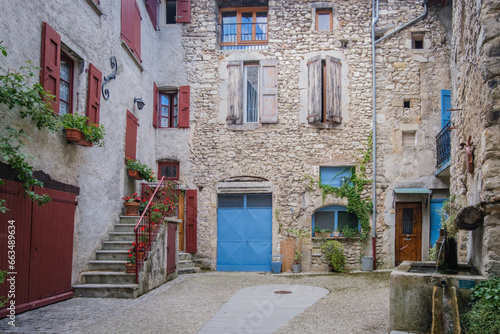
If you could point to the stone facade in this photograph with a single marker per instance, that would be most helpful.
(475, 76)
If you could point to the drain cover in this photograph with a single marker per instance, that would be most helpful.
(282, 292)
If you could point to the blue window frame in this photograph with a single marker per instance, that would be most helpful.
(335, 176)
(335, 217)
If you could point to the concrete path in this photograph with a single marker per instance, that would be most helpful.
(263, 309)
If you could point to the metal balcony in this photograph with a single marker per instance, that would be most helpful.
(443, 149)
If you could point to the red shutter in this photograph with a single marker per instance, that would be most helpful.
(184, 93)
(156, 96)
(191, 218)
(131, 135)
(94, 94)
(152, 7)
(131, 26)
(171, 251)
(51, 63)
(183, 11)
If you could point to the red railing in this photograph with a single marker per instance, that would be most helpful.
(162, 201)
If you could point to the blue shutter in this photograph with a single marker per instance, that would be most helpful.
(445, 106)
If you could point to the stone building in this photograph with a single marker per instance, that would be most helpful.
(246, 103)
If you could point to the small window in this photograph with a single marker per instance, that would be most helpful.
(169, 110)
(409, 138)
(417, 41)
(169, 169)
(335, 176)
(66, 85)
(406, 103)
(324, 19)
(171, 11)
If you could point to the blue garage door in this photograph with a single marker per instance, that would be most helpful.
(244, 232)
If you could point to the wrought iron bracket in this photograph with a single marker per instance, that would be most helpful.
(114, 66)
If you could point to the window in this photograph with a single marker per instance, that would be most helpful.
(324, 19)
(335, 218)
(171, 107)
(406, 104)
(335, 176)
(325, 90)
(417, 41)
(252, 92)
(66, 85)
(169, 169)
(243, 28)
(178, 11)
(131, 27)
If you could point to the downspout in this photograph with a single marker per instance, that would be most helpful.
(375, 17)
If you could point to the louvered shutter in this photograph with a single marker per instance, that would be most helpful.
(191, 221)
(333, 90)
(156, 105)
(183, 11)
(184, 93)
(131, 26)
(314, 89)
(235, 92)
(51, 63)
(94, 94)
(131, 135)
(268, 92)
(152, 8)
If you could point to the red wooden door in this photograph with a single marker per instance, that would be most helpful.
(408, 232)
(171, 237)
(191, 217)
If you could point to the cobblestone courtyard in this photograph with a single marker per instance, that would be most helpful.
(356, 303)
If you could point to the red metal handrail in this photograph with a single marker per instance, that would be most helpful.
(163, 202)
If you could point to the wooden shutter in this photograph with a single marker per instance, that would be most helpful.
(94, 94)
(183, 11)
(184, 92)
(235, 92)
(152, 8)
(131, 26)
(445, 107)
(171, 251)
(268, 91)
(156, 105)
(51, 63)
(333, 90)
(314, 89)
(131, 135)
(191, 220)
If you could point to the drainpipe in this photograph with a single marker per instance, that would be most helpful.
(375, 17)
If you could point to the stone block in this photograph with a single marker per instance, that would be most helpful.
(399, 65)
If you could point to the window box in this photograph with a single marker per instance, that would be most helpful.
(134, 174)
(77, 137)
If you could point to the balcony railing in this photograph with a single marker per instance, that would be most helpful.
(233, 36)
(443, 149)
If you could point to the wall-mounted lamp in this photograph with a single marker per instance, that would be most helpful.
(140, 102)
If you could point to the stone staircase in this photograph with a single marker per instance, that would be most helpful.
(186, 264)
(106, 277)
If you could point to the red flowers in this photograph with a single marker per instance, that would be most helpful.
(133, 198)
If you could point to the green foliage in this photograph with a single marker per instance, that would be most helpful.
(449, 213)
(485, 308)
(432, 253)
(144, 170)
(94, 133)
(349, 233)
(3, 274)
(334, 254)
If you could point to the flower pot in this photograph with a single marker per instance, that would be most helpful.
(276, 262)
(75, 136)
(367, 263)
(130, 267)
(336, 234)
(134, 174)
(131, 208)
(296, 267)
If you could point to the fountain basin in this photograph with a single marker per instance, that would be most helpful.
(411, 289)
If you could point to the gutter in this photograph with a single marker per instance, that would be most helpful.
(375, 17)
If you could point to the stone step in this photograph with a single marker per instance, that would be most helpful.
(185, 256)
(118, 245)
(119, 255)
(124, 228)
(184, 271)
(106, 290)
(183, 264)
(107, 265)
(107, 277)
(129, 220)
(122, 236)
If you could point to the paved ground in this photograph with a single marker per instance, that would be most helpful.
(356, 303)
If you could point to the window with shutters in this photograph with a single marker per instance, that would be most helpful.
(243, 28)
(324, 90)
(178, 11)
(171, 107)
(169, 169)
(252, 92)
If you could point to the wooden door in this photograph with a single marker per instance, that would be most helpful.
(181, 217)
(408, 232)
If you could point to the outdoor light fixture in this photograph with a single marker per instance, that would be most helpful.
(140, 102)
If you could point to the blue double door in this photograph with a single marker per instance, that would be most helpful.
(244, 232)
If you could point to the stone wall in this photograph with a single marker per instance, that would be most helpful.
(475, 77)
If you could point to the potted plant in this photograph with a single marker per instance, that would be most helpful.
(139, 170)
(336, 233)
(296, 261)
(131, 204)
(81, 131)
(131, 259)
(300, 234)
(334, 255)
(318, 233)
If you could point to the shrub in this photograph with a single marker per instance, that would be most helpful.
(485, 308)
(334, 254)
